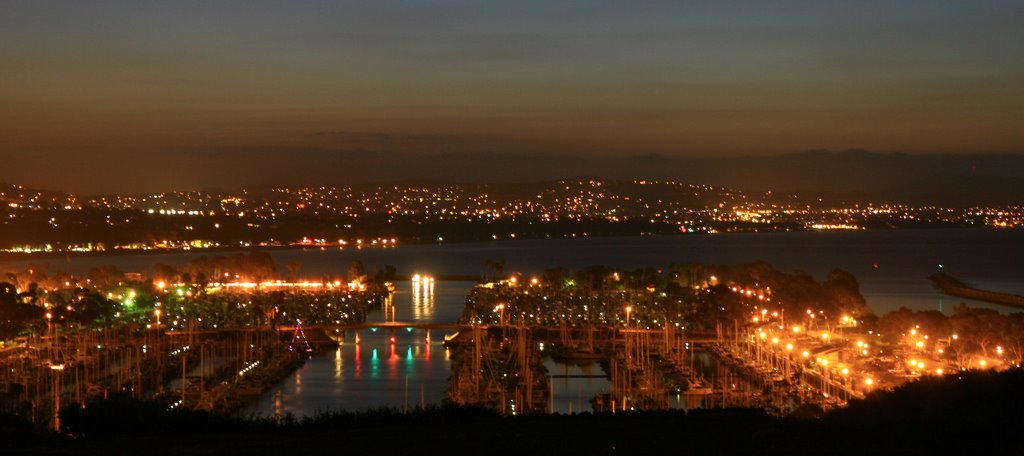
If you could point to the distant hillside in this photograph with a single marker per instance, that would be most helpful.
(854, 175)
(22, 195)
(892, 177)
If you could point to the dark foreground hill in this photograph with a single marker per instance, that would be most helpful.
(971, 412)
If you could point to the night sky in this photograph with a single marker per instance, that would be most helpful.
(140, 95)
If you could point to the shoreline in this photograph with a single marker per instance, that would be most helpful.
(23, 256)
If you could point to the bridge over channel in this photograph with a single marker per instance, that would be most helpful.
(389, 324)
(696, 339)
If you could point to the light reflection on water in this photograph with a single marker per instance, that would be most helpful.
(573, 395)
(422, 300)
(376, 372)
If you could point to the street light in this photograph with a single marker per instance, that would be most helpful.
(629, 310)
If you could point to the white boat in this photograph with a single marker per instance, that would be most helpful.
(697, 387)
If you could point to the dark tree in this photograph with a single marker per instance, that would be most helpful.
(293, 270)
(163, 272)
(15, 315)
(496, 266)
(356, 272)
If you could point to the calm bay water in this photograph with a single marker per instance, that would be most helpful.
(375, 373)
(988, 258)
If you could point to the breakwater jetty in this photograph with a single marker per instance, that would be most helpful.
(954, 287)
